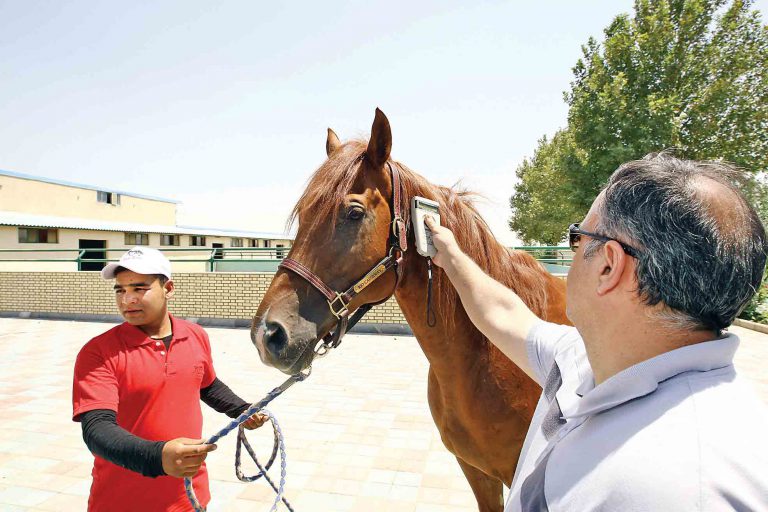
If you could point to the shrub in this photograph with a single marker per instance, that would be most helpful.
(756, 309)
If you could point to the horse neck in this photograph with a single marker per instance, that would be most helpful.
(454, 342)
(451, 347)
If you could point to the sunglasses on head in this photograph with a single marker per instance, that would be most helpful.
(575, 233)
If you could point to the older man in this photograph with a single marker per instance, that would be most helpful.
(641, 408)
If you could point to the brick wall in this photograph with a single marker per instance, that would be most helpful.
(198, 295)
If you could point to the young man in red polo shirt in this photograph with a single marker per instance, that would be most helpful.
(137, 391)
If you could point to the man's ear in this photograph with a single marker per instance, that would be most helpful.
(615, 266)
(170, 289)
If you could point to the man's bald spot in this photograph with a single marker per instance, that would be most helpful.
(726, 208)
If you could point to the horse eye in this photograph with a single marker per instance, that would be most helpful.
(355, 212)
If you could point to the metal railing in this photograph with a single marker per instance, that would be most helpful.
(549, 255)
(212, 255)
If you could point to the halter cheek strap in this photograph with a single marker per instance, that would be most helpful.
(338, 302)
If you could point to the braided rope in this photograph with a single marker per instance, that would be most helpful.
(279, 444)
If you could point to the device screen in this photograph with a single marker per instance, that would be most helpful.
(427, 207)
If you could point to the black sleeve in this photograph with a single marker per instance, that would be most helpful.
(220, 398)
(105, 438)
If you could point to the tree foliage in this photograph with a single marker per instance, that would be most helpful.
(541, 189)
(684, 74)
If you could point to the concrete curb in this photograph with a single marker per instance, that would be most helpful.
(748, 324)
(77, 317)
(226, 323)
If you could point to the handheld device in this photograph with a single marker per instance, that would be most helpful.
(420, 208)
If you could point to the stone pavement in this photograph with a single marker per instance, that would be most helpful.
(359, 434)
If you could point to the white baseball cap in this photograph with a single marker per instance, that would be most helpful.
(142, 260)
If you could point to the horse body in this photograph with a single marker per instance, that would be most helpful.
(481, 402)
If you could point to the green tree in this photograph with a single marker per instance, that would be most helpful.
(542, 195)
(684, 74)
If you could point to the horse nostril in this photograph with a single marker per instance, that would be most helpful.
(275, 338)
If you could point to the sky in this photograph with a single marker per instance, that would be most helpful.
(224, 105)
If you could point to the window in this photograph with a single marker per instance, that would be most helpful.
(197, 240)
(280, 251)
(237, 242)
(253, 242)
(267, 243)
(137, 239)
(169, 239)
(107, 197)
(38, 236)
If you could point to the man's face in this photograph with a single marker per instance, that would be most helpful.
(141, 299)
(582, 278)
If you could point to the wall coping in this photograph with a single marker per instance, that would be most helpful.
(227, 323)
(748, 324)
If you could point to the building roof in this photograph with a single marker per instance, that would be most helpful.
(80, 185)
(48, 221)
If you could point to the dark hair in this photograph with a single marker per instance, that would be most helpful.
(161, 277)
(703, 247)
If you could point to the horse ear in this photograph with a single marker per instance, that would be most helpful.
(381, 140)
(332, 143)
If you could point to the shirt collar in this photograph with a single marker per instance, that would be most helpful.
(644, 377)
(134, 337)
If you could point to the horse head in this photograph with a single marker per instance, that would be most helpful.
(345, 218)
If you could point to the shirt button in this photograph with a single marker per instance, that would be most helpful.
(157, 343)
(162, 352)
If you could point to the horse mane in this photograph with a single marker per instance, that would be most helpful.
(329, 185)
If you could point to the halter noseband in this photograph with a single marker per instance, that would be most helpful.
(339, 302)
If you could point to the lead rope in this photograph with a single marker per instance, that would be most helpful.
(279, 443)
(431, 320)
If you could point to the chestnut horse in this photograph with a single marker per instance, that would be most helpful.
(481, 402)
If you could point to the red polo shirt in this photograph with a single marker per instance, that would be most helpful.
(156, 395)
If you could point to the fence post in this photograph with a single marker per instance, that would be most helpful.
(79, 259)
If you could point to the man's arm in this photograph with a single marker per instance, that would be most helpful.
(105, 438)
(495, 310)
(180, 457)
(221, 398)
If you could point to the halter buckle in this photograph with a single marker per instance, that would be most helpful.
(398, 225)
(343, 309)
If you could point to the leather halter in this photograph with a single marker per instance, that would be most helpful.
(338, 302)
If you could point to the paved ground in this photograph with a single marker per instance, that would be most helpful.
(359, 434)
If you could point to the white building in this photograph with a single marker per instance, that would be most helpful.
(52, 225)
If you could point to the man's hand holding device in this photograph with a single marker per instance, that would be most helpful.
(422, 208)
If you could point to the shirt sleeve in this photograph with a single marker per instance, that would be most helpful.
(544, 342)
(94, 385)
(220, 398)
(106, 439)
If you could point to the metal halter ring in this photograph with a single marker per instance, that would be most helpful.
(343, 310)
(321, 349)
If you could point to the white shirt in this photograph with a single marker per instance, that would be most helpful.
(677, 432)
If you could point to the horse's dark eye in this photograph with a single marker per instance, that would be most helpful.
(355, 212)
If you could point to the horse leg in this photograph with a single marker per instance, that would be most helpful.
(487, 489)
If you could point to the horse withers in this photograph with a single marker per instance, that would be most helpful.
(348, 225)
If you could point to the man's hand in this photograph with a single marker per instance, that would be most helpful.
(444, 242)
(183, 457)
(255, 421)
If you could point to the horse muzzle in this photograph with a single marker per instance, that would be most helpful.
(280, 348)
